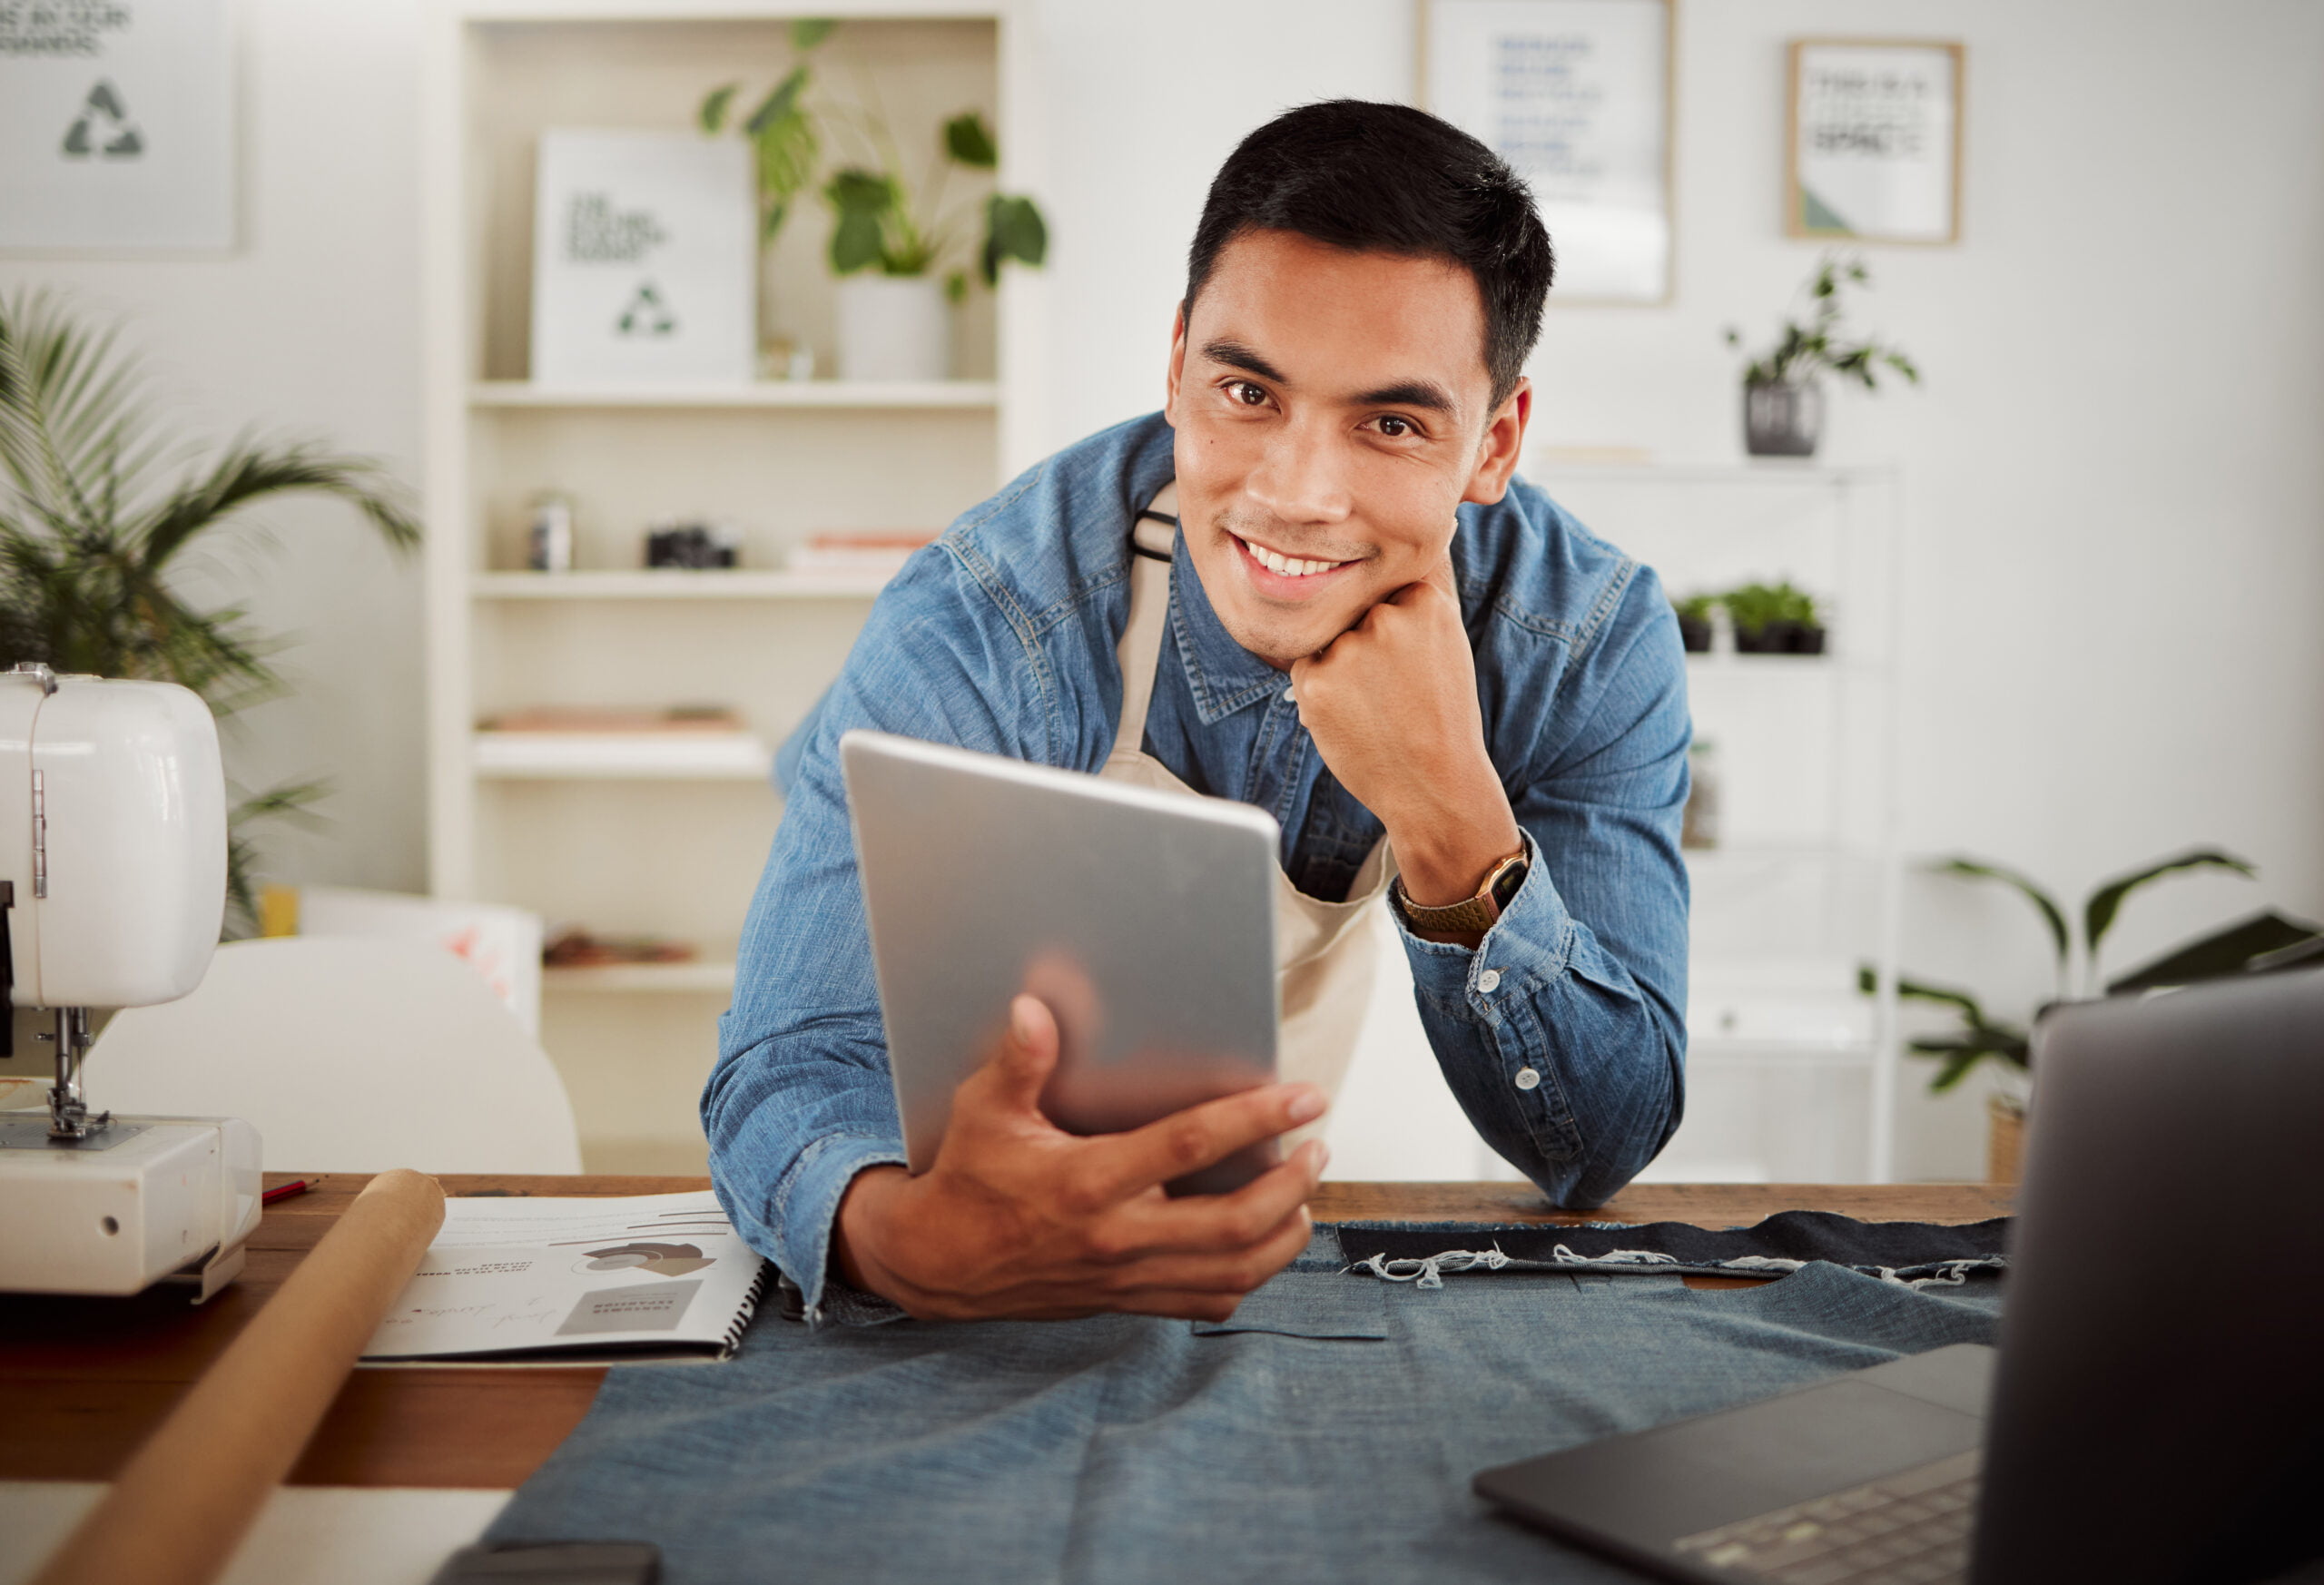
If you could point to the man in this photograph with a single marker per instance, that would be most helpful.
(1442, 687)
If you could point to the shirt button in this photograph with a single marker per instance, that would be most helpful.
(1487, 983)
(1291, 694)
(1528, 1079)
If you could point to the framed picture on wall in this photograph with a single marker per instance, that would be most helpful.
(1575, 95)
(117, 127)
(1875, 141)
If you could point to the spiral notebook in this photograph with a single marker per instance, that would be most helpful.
(541, 1280)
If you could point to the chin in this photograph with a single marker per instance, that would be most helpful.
(1280, 643)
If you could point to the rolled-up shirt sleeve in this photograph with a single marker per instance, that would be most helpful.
(1562, 1033)
(801, 1099)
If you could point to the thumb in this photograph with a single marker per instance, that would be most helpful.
(1027, 1054)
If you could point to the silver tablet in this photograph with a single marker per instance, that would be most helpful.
(1144, 920)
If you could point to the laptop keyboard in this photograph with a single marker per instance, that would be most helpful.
(1909, 1529)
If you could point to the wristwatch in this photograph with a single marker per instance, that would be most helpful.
(1470, 913)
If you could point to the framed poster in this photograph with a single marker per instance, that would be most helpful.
(1575, 95)
(1875, 143)
(116, 124)
(645, 259)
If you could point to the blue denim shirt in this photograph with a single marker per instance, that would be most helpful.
(1562, 1034)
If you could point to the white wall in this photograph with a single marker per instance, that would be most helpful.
(2116, 540)
(309, 329)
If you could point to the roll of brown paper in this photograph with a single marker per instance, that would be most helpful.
(181, 1506)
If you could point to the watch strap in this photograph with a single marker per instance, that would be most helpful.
(1480, 912)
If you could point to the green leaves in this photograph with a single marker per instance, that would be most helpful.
(784, 147)
(1804, 350)
(808, 32)
(2098, 913)
(1013, 229)
(711, 115)
(967, 140)
(92, 527)
(866, 202)
(1974, 868)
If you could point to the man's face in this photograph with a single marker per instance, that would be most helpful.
(1332, 409)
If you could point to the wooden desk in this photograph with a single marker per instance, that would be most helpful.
(81, 1381)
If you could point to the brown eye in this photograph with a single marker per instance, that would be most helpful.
(1394, 428)
(1249, 395)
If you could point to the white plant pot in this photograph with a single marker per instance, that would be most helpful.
(893, 327)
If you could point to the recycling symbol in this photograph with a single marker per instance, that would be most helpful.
(104, 127)
(647, 315)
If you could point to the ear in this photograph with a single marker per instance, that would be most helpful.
(1177, 363)
(1504, 442)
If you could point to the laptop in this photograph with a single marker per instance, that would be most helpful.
(2155, 1410)
(1145, 919)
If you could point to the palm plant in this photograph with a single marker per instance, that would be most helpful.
(1982, 1037)
(100, 509)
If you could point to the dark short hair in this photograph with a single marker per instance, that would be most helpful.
(1394, 180)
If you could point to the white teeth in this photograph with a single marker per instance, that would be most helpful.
(1288, 566)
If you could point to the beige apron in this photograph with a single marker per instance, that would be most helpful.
(1324, 953)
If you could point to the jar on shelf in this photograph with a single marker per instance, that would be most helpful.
(548, 541)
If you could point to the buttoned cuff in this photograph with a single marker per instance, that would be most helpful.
(806, 1208)
(1526, 947)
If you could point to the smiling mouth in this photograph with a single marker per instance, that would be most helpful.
(1287, 566)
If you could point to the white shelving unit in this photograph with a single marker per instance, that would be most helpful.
(1793, 1074)
(622, 843)
(802, 393)
(677, 586)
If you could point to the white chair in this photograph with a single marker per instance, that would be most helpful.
(350, 1055)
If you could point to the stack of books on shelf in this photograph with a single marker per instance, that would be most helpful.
(859, 551)
(565, 740)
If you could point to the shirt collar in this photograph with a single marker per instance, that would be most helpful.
(1226, 678)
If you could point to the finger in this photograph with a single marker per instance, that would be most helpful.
(1124, 1164)
(1028, 1055)
(1230, 1271)
(1222, 1224)
(1438, 577)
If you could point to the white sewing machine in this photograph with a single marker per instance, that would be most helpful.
(113, 882)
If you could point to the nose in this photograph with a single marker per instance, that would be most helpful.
(1301, 477)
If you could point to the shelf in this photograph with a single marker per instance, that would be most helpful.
(1794, 471)
(615, 757)
(649, 978)
(772, 393)
(678, 585)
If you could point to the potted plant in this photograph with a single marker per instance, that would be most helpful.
(783, 150)
(1783, 405)
(901, 253)
(1984, 1040)
(1694, 622)
(99, 512)
(1774, 619)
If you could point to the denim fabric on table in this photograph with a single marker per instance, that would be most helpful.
(1562, 1035)
(1328, 1432)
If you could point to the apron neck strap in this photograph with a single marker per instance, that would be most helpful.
(1153, 534)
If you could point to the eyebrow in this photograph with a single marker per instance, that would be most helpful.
(1406, 393)
(1409, 393)
(1235, 354)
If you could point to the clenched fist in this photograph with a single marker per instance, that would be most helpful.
(1392, 705)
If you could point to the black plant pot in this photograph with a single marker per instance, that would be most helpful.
(1781, 638)
(1695, 634)
(1783, 420)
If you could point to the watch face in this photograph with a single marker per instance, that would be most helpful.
(1506, 883)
